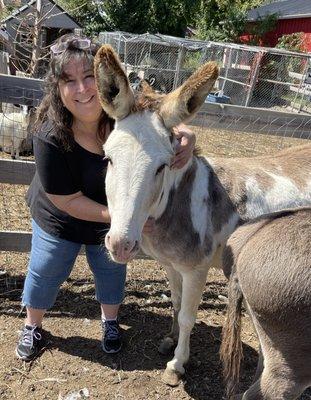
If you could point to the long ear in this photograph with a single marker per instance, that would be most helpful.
(115, 93)
(181, 104)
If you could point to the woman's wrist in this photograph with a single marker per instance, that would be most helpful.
(106, 215)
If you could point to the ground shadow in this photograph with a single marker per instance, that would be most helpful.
(76, 299)
(146, 328)
(203, 371)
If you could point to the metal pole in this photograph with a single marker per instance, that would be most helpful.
(303, 78)
(228, 63)
(180, 60)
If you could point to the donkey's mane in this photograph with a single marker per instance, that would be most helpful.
(146, 98)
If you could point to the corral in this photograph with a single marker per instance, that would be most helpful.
(74, 361)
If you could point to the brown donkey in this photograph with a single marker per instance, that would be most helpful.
(269, 263)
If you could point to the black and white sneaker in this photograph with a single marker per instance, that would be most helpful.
(112, 337)
(30, 343)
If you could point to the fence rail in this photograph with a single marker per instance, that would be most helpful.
(20, 90)
(229, 117)
(18, 172)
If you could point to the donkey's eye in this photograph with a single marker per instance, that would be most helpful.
(160, 169)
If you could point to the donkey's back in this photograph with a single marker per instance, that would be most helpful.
(270, 262)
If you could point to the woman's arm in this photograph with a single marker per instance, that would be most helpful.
(184, 150)
(79, 206)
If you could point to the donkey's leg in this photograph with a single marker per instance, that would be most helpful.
(260, 365)
(284, 374)
(274, 385)
(192, 287)
(175, 280)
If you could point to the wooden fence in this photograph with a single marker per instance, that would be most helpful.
(16, 172)
(27, 91)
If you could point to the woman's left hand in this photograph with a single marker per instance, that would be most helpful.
(186, 143)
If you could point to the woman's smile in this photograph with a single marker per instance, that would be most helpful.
(86, 100)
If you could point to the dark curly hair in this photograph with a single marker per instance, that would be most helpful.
(51, 107)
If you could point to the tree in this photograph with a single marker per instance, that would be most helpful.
(135, 16)
(25, 46)
(85, 12)
(226, 20)
(154, 16)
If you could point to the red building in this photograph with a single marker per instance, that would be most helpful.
(293, 16)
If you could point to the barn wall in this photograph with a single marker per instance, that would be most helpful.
(286, 27)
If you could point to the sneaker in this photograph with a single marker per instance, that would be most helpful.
(30, 343)
(112, 338)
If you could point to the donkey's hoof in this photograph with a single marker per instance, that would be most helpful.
(166, 346)
(171, 377)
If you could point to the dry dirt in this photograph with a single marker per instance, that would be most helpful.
(73, 359)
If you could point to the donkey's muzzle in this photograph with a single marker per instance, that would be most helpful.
(121, 250)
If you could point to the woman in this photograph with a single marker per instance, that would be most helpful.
(67, 196)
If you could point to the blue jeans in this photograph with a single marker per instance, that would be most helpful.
(51, 261)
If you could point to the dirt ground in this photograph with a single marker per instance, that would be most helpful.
(73, 360)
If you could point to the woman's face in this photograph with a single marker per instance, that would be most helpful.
(78, 92)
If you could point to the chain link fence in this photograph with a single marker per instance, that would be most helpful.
(249, 76)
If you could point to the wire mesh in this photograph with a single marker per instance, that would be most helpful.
(167, 64)
(249, 76)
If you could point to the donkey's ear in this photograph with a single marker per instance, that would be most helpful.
(181, 104)
(115, 93)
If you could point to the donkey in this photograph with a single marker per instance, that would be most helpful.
(195, 208)
(270, 264)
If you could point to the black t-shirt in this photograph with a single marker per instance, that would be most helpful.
(63, 172)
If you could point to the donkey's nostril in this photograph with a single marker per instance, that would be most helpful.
(130, 246)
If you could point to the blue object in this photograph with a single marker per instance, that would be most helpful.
(51, 261)
(217, 98)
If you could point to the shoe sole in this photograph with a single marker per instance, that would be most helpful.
(111, 351)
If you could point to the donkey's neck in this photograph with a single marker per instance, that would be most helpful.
(171, 180)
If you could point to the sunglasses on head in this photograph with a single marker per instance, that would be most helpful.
(81, 44)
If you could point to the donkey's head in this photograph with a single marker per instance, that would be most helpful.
(141, 145)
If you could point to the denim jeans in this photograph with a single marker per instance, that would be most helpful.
(50, 264)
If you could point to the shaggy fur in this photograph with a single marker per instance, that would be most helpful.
(182, 103)
(112, 83)
(118, 100)
(274, 278)
(195, 208)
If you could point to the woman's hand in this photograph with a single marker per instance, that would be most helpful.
(186, 143)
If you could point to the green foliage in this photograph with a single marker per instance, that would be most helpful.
(292, 42)
(192, 61)
(263, 25)
(135, 16)
(225, 20)
(86, 13)
(154, 16)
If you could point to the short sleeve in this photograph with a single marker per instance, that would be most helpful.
(53, 169)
